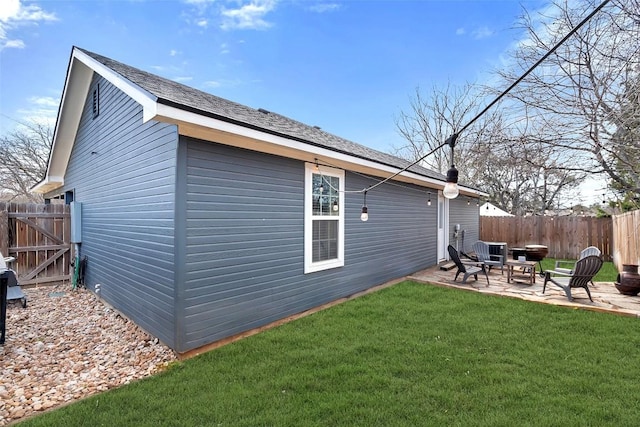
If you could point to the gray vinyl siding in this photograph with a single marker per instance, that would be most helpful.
(464, 211)
(123, 172)
(244, 246)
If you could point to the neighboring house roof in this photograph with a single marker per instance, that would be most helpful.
(205, 116)
(489, 209)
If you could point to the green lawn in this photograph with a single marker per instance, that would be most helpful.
(408, 355)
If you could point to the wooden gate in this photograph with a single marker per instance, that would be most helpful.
(38, 236)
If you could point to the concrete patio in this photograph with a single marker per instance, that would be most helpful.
(606, 297)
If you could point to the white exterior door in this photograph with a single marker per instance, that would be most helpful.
(443, 226)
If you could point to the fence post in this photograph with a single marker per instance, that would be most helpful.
(4, 233)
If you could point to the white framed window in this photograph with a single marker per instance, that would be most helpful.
(323, 218)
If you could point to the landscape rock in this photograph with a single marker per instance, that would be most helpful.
(68, 344)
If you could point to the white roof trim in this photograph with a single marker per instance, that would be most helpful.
(141, 96)
(176, 115)
(78, 80)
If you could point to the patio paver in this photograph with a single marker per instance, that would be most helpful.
(606, 297)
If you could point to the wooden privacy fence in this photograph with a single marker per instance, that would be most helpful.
(564, 236)
(38, 236)
(626, 235)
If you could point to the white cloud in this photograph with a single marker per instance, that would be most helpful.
(44, 101)
(324, 7)
(482, 33)
(9, 9)
(182, 79)
(200, 5)
(16, 44)
(460, 32)
(174, 52)
(222, 83)
(233, 14)
(42, 110)
(14, 14)
(212, 84)
(158, 68)
(249, 16)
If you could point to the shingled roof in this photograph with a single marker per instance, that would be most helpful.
(177, 95)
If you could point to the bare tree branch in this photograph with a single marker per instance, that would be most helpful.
(23, 160)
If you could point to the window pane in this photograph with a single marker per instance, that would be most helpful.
(325, 240)
(325, 190)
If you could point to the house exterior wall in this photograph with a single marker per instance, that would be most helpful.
(123, 173)
(196, 241)
(244, 241)
(464, 211)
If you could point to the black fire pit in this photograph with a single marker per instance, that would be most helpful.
(536, 253)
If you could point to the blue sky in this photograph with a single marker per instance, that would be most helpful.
(349, 67)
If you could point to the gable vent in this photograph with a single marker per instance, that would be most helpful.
(96, 101)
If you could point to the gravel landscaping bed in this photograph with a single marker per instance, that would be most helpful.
(67, 345)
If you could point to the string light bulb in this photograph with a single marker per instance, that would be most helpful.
(429, 199)
(450, 190)
(335, 206)
(364, 216)
(451, 187)
(468, 201)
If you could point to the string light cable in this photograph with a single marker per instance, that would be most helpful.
(452, 174)
(451, 141)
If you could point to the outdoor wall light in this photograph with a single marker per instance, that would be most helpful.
(364, 216)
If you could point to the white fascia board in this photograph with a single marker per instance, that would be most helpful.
(176, 115)
(78, 81)
(138, 94)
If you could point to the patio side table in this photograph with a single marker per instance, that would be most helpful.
(528, 267)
